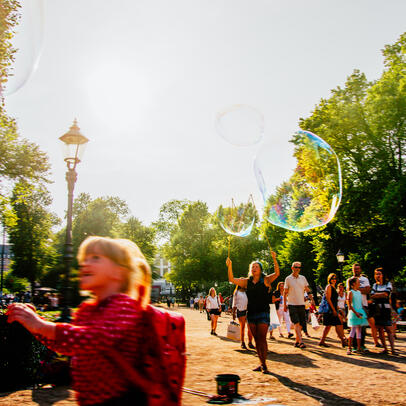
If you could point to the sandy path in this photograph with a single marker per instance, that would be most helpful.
(298, 377)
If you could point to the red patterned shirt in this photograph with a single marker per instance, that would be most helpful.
(116, 322)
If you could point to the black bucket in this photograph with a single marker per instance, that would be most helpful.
(227, 384)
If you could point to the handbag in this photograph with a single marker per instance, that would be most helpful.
(315, 322)
(233, 331)
(274, 319)
(324, 306)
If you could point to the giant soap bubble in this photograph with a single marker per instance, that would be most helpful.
(240, 125)
(238, 219)
(26, 45)
(300, 182)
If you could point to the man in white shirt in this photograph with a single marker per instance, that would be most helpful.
(295, 287)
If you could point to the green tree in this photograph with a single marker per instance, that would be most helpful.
(143, 236)
(199, 246)
(9, 17)
(101, 216)
(169, 214)
(30, 236)
(190, 248)
(365, 124)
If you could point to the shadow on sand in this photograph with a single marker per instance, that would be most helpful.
(324, 397)
(295, 359)
(370, 360)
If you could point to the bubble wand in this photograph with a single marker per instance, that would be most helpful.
(229, 243)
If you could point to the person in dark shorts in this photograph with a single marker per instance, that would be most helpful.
(257, 285)
(214, 309)
(295, 286)
(380, 294)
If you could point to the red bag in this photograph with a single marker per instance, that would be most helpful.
(164, 359)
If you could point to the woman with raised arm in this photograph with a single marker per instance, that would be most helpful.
(257, 285)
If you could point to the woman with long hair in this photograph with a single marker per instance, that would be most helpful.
(213, 307)
(331, 318)
(277, 299)
(257, 285)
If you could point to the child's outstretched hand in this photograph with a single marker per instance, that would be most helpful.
(26, 315)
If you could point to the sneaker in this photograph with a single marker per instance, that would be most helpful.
(290, 335)
(214, 333)
(243, 346)
(252, 346)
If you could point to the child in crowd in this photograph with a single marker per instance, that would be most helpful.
(117, 274)
(356, 315)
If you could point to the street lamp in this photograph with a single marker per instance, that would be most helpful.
(3, 248)
(340, 259)
(74, 146)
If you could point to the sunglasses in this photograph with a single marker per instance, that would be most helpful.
(298, 267)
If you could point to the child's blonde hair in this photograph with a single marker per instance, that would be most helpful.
(125, 253)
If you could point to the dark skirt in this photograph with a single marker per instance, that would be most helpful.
(330, 320)
(382, 315)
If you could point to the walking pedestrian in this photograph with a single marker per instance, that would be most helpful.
(295, 286)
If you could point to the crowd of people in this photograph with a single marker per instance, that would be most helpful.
(113, 320)
(41, 300)
(352, 306)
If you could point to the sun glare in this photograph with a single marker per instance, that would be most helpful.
(117, 93)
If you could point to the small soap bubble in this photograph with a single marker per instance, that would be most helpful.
(238, 219)
(300, 182)
(26, 43)
(240, 125)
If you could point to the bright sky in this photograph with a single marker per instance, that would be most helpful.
(146, 78)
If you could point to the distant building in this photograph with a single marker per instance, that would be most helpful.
(161, 287)
(5, 257)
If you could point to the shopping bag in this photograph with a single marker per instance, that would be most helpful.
(274, 319)
(233, 331)
(315, 322)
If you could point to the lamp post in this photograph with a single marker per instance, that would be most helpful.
(74, 145)
(340, 259)
(3, 248)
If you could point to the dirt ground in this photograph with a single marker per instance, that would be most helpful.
(311, 376)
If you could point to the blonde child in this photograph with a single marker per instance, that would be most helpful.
(116, 273)
(356, 315)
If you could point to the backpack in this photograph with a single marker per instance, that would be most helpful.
(164, 358)
(324, 306)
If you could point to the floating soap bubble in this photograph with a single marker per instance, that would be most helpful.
(27, 44)
(300, 182)
(238, 219)
(240, 125)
